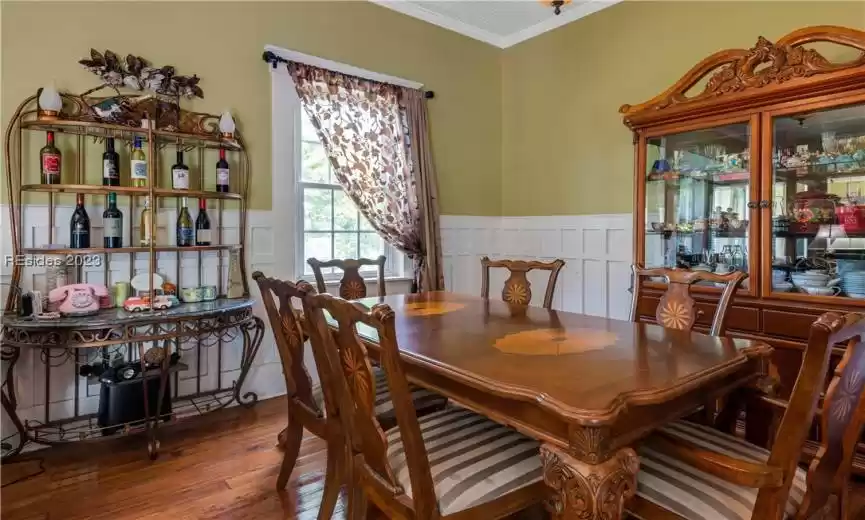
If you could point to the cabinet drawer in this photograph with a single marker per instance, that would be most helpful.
(738, 318)
(787, 324)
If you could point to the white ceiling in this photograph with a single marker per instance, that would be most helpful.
(498, 22)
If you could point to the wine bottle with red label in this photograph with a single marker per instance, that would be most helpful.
(222, 172)
(51, 160)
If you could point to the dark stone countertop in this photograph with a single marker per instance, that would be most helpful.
(118, 316)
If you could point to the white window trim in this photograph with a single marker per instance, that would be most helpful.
(287, 191)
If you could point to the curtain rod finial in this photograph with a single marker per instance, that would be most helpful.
(429, 94)
(272, 58)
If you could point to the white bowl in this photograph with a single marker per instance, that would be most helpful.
(811, 276)
(821, 291)
(782, 287)
(858, 296)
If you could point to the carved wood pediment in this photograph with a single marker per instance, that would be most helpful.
(740, 71)
(784, 62)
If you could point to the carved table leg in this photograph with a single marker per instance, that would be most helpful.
(253, 333)
(589, 491)
(10, 401)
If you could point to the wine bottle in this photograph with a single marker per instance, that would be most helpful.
(145, 232)
(51, 159)
(79, 226)
(222, 172)
(185, 231)
(110, 165)
(202, 225)
(180, 174)
(112, 222)
(138, 171)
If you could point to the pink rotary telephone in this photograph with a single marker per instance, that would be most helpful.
(77, 299)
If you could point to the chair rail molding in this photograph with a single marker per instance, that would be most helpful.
(597, 249)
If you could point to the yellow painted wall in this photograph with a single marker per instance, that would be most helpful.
(222, 42)
(564, 147)
(530, 130)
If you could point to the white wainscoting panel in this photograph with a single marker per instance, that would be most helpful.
(265, 252)
(597, 250)
(265, 377)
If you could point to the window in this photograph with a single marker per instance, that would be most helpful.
(332, 227)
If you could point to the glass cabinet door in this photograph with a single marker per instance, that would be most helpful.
(818, 206)
(698, 188)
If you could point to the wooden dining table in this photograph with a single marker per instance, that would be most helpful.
(587, 387)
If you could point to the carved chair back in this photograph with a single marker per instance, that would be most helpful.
(354, 386)
(677, 309)
(517, 289)
(351, 285)
(842, 417)
(285, 323)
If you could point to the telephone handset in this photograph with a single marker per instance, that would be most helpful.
(77, 299)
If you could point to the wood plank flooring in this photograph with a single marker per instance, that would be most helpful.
(218, 466)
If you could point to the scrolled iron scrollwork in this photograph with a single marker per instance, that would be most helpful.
(57, 344)
(253, 333)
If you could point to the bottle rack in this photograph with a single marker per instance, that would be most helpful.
(200, 135)
(189, 326)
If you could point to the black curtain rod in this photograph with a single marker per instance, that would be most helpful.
(274, 60)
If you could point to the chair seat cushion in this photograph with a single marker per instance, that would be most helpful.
(421, 397)
(696, 495)
(473, 460)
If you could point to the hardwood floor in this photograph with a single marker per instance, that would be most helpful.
(218, 466)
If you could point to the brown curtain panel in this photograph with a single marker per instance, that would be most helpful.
(426, 182)
(364, 130)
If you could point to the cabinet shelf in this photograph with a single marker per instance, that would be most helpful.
(817, 172)
(720, 178)
(128, 133)
(101, 250)
(129, 190)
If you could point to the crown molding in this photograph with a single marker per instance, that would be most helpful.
(421, 13)
(569, 14)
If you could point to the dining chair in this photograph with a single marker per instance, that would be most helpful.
(309, 406)
(694, 472)
(452, 464)
(677, 309)
(517, 289)
(351, 285)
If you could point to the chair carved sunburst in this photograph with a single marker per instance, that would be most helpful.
(358, 373)
(352, 289)
(676, 310)
(517, 289)
(352, 285)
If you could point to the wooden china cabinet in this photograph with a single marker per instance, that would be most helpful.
(755, 161)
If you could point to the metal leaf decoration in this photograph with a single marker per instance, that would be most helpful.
(136, 73)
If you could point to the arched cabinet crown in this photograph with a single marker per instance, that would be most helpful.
(763, 74)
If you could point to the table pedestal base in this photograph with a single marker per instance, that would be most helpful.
(589, 491)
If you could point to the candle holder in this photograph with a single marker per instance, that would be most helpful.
(48, 104)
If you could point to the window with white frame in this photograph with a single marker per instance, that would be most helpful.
(332, 227)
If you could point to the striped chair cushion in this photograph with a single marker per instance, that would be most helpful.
(383, 404)
(473, 460)
(697, 495)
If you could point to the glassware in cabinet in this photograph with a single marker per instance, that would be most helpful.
(818, 209)
(698, 187)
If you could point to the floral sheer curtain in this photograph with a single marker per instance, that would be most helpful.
(364, 130)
